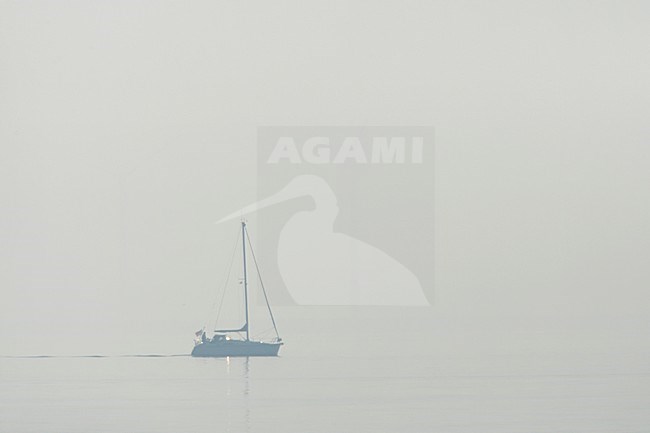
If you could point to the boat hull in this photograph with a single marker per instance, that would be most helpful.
(226, 348)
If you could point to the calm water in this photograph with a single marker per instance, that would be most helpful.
(455, 380)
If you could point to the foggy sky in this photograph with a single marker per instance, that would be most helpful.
(128, 128)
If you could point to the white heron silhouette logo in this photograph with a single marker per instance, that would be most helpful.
(322, 267)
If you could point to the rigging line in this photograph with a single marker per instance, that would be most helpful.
(223, 294)
(259, 275)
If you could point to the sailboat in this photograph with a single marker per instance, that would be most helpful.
(224, 342)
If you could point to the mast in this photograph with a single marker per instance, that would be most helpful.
(243, 243)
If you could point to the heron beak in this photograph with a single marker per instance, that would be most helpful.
(279, 197)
